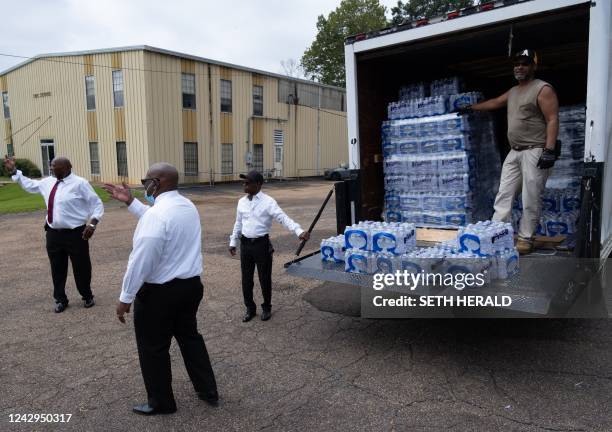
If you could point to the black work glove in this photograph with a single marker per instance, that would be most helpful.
(547, 160)
(465, 110)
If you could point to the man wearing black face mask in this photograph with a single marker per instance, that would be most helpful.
(73, 212)
(533, 126)
(163, 281)
(253, 221)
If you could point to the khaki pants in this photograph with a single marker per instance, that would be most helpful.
(520, 173)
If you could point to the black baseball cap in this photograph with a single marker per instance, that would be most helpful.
(528, 54)
(252, 176)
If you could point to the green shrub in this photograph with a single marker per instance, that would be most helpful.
(27, 167)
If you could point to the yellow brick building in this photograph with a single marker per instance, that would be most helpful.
(114, 112)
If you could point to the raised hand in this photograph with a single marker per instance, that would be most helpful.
(9, 163)
(119, 192)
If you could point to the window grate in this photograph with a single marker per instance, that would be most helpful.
(188, 89)
(226, 96)
(118, 88)
(258, 100)
(227, 158)
(90, 92)
(190, 150)
(122, 163)
(258, 157)
(94, 158)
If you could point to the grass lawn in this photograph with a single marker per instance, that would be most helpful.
(13, 199)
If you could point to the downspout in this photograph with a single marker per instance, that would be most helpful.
(212, 135)
(318, 161)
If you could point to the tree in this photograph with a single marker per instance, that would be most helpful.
(417, 9)
(292, 68)
(323, 61)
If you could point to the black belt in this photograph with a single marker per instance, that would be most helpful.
(175, 281)
(253, 240)
(529, 147)
(48, 228)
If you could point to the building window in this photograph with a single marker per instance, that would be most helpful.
(5, 105)
(190, 150)
(90, 92)
(118, 88)
(122, 164)
(226, 96)
(94, 158)
(258, 157)
(10, 151)
(257, 100)
(227, 159)
(188, 86)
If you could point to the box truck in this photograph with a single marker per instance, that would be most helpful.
(573, 39)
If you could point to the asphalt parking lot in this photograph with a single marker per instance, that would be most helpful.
(306, 368)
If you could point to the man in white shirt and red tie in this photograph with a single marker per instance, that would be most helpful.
(253, 222)
(73, 212)
(163, 281)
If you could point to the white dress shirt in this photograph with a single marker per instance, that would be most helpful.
(75, 201)
(167, 243)
(254, 218)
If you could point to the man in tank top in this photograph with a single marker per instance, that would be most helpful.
(533, 125)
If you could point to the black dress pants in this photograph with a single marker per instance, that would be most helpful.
(61, 245)
(257, 252)
(161, 312)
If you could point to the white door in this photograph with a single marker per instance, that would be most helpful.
(47, 149)
(279, 141)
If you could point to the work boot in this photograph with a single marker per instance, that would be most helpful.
(524, 246)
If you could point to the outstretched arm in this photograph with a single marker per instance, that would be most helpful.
(281, 217)
(122, 193)
(492, 104)
(27, 184)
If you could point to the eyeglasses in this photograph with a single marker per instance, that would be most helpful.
(145, 180)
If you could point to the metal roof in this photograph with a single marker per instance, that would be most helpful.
(170, 53)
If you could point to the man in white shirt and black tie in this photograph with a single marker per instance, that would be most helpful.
(73, 212)
(253, 221)
(163, 282)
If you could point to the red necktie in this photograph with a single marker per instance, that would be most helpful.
(51, 199)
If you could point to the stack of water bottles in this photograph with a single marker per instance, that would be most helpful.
(561, 197)
(372, 247)
(440, 169)
(494, 240)
(332, 249)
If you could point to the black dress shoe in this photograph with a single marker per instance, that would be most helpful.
(60, 307)
(265, 315)
(211, 398)
(248, 316)
(148, 410)
(88, 303)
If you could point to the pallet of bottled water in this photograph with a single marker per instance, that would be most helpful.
(376, 247)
